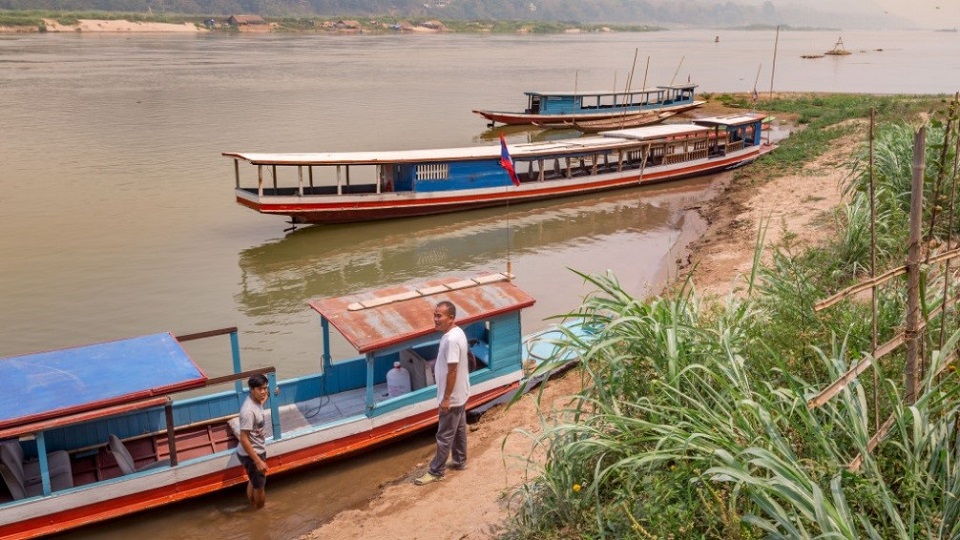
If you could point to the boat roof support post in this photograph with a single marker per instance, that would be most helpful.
(300, 180)
(370, 402)
(325, 331)
(235, 353)
(171, 432)
(339, 187)
(274, 406)
(348, 175)
(44, 466)
(643, 160)
(540, 176)
(259, 180)
(236, 171)
(273, 169)
(310, 171)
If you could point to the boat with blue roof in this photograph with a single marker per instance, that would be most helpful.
(105, 432)
(557, 108)
(345, 187)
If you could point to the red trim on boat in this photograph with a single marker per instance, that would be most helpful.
(193, 487)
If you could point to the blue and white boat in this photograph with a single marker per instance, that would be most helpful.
(559, 108)
(93, 432)
(344, 187)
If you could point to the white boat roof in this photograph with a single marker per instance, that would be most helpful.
(658, 131)
(566, 93)
(437, 154)
(731, 119)
(605, 140)
(522, 150)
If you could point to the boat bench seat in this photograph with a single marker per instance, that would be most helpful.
(23, 477)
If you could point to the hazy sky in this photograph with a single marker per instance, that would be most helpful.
(925, 13)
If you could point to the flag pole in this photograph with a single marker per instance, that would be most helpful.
(506, 189)
(507, 163)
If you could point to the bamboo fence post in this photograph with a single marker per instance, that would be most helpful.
(951, 119)
(873, 271)
(911, 369)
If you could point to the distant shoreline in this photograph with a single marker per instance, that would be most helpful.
(326, 26)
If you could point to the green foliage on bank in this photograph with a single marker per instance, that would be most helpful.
(822, 119)
(694, 419)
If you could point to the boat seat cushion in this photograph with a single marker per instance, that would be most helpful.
(14, 485)
(58, 462)
(13, 476)
(122, 455)
(12, 464)
(125, 461)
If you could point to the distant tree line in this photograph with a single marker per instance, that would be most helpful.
(697, 12)
(701, 13)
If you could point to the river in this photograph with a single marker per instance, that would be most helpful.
(119, 220)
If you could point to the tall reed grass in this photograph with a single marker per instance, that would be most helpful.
(693, 420)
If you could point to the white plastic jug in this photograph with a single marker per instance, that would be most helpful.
(398, 381)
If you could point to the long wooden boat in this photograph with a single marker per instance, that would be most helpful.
(92, 433)
(621, 121)
(365, 186)
(558, 107)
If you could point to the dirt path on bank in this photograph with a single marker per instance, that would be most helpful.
(473, 504)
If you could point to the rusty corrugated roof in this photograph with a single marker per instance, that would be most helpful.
(379, 319)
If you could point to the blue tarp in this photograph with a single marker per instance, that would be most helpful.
(49, 384)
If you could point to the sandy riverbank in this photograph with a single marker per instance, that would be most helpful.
(120, 25)
(473, 504)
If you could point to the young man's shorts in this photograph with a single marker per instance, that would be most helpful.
(257, 479)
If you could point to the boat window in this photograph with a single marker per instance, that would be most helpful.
(433, 171)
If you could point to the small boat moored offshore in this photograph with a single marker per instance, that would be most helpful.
(558, 107)
(367, 186)
(621, 121)
(100, 436)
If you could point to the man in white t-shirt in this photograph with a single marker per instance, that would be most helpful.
(452, 374)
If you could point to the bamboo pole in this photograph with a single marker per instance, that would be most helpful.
(873, 271)
(645, 71)
(773, 70)
(911, 369)
(950, 223)
(677, 71)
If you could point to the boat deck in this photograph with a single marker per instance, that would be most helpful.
(94, 464)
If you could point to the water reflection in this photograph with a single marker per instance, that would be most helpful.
(331, 261)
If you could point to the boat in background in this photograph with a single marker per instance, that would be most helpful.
(366, 186)
(621, 121)
(558, 107)
(101, 436)
(838, 49)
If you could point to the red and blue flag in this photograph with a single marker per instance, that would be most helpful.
(507, 162)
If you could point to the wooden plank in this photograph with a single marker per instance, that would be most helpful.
(836, 386)
(43, 425)
(860, 287)
(854, 465)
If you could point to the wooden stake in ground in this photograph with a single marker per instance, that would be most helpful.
(912, 329)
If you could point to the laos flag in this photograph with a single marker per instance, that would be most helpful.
(507, 162)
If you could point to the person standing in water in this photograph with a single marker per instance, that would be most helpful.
(251, 451)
